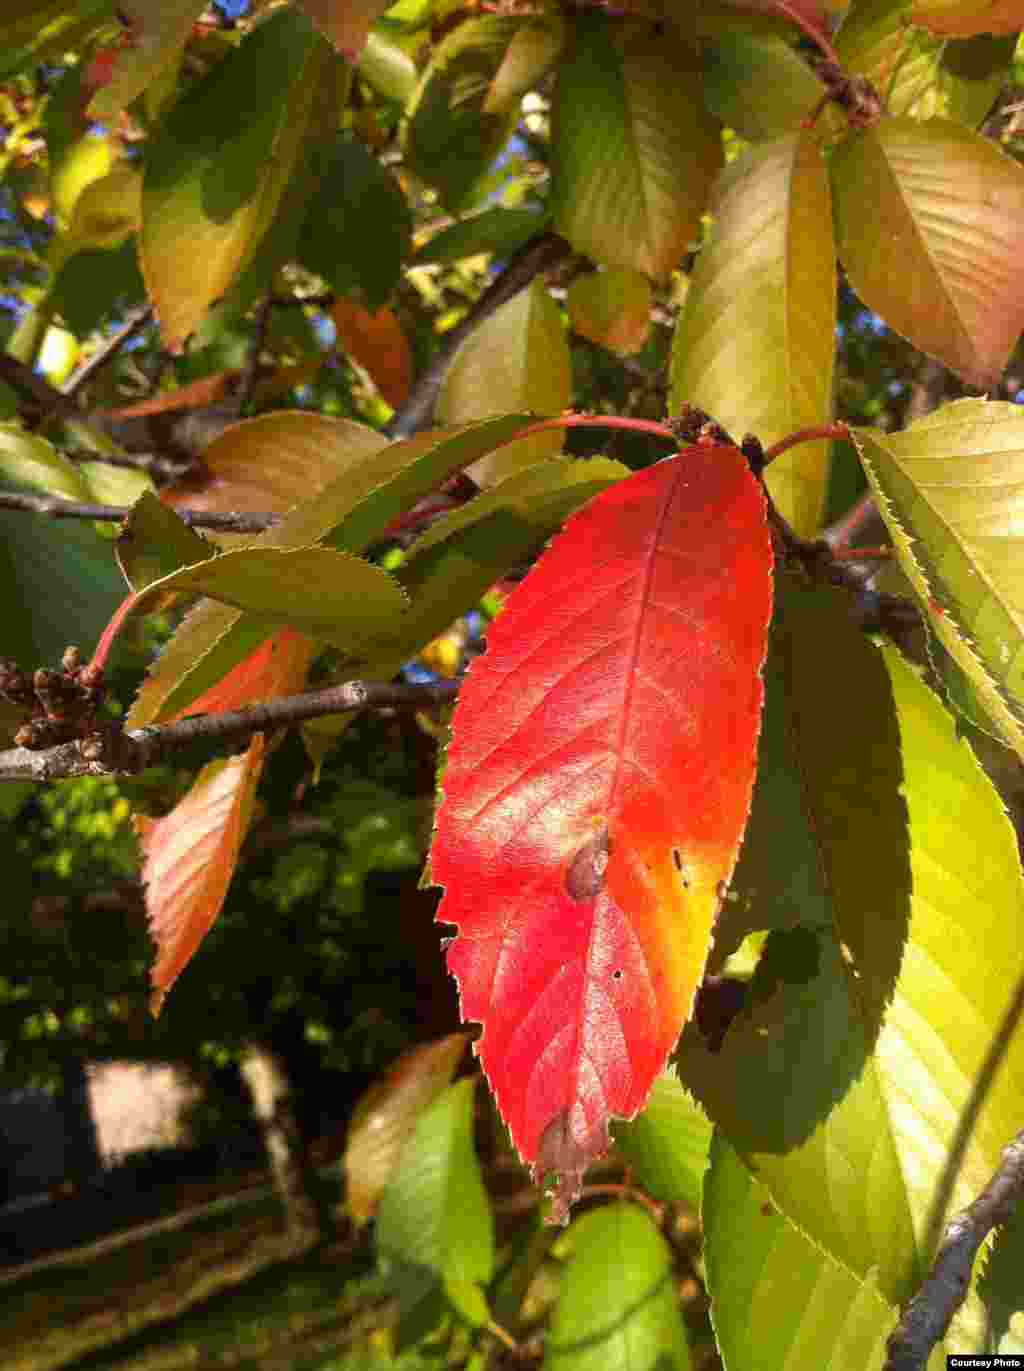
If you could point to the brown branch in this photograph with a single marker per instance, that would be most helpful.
(135, 321)
(56, 507)
(113, 750)
(535, 256)
(928, 1315)
(35, 388)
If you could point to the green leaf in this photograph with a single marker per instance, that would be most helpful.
(113, 485)
(449, 140)
(34, 464)
(452, 566)
(612, 308)
(617, 1305)
(388, 68)
(434, 1223)
(777, 1299)
(918, 74)
(919, 258)
(459, 558)
(375, 484)
(94, 283)
(759, 85)
(160, 30)
(327, 594)
(951, 490)
(634, 151)
(357, 229)
(218, 166)
(667, 1143)
(1000, 1286)
(63, 570)
(870, 1184)
(518, 359)
(755, 341)
(497, 230)
(154, 543)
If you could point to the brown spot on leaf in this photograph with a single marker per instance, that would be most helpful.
(585, 876)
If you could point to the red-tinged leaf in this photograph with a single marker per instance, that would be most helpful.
(595, 794)
(376, 342)
(277, 667)
(188, 860)
(962, 18)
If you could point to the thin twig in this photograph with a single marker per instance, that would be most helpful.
(114, 751)
(135, 321)
(535, 256)
(881, 553)
(56, 507)
(928, 1315)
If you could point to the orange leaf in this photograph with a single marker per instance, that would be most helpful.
(376, 342)
(206, 391)
(277, 667)
(189, 857)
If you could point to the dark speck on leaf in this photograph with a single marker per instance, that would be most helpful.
(585, 876)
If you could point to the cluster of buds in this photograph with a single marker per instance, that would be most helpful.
(62, 704)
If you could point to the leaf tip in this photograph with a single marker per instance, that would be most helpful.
(562, 1152)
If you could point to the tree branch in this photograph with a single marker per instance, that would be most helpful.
(927, 1317)
(56, 507)
(135, 321)
(113, 750)
(535, 256)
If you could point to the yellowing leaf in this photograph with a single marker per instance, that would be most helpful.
(189, 857)
(533, 50)
(634, 151)
(755, 340)
(612, 308)
(108, 210)
(941, 254)
(951, 489)
(218, 166)
(519, 360)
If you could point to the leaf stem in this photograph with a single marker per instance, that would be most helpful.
(114, 750)
(863, 554)
(837, 430)
(817, 37)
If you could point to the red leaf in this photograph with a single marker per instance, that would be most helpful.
(189, 857)
(377, 342)
(596, 791)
